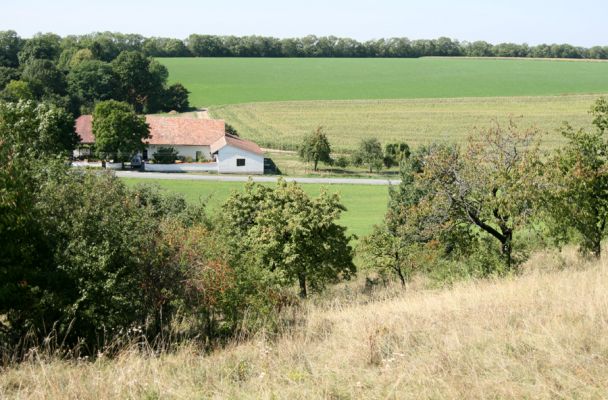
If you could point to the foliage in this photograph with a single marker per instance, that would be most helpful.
(10, 45)
(141, 80)
(44, 77)
(176, 98)
(231, 130)
(8, 74)
(119, 132)
(45, 46)
(315, 147)
(17, 90)
(395, 153)
(165, 155)
(36, 129)
(79, 57)
(93, 81)
(342, 162)
(369, 154)
(286, 232)
(493, 185)
(577, 182)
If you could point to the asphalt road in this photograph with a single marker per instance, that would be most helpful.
(242, 178)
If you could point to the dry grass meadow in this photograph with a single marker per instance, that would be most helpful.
(281, 125)
(540, 335)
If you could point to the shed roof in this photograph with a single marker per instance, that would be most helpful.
(237, 142)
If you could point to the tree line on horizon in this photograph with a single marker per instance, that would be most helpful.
(109, 44)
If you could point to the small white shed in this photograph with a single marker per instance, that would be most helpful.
(235, 155)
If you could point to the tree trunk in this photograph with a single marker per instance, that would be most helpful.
(315, 165)
(401, 277)
(507, 249)
(302, 281)
(596, 248)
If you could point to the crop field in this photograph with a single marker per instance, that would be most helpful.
(282, 125)
(220, 81)
(365, 205)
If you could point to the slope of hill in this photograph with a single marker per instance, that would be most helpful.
(541, 335)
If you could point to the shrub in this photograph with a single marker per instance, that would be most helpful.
(165, 155)
(342, 162)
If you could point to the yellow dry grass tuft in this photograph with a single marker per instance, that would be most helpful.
(540, 335)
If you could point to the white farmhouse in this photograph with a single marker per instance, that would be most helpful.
(203, 140)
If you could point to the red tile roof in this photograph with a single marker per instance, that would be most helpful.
(167, 130)
(235, 141)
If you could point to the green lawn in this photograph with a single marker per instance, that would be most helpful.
(365, 204)
(217, 81)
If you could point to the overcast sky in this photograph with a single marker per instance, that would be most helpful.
(580, 22)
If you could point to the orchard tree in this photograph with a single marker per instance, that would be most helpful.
(315, 147)
(38, 129)
(492, 185)
(578, 181)
(119, 131)
(287, 232)
(369, 154)
(395, 153)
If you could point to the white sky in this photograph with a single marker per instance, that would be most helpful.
(582, 22)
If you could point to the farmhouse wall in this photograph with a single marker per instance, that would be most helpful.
(227, 161)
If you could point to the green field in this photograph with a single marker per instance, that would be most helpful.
(217, 81)
(365, 205)
(282, 124)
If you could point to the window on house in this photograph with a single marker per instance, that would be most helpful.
(240, 162)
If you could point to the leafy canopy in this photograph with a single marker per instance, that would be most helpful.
(119, 132)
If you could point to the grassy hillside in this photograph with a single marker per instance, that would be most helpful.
(365, 205)
(215, 81)
(416, 121)
(538, 336)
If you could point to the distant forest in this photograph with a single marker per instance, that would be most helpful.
(107, 46)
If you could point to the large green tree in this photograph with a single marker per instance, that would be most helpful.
(141, 80)
(315, 147)
(93, 81)
(286, 231)
(119, 131)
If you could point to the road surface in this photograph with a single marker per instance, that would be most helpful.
(241, 178)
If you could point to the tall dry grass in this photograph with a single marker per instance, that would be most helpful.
(539, 335)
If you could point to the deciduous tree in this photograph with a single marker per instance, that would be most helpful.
(315, 147)
(286, 231)
(119, 131)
